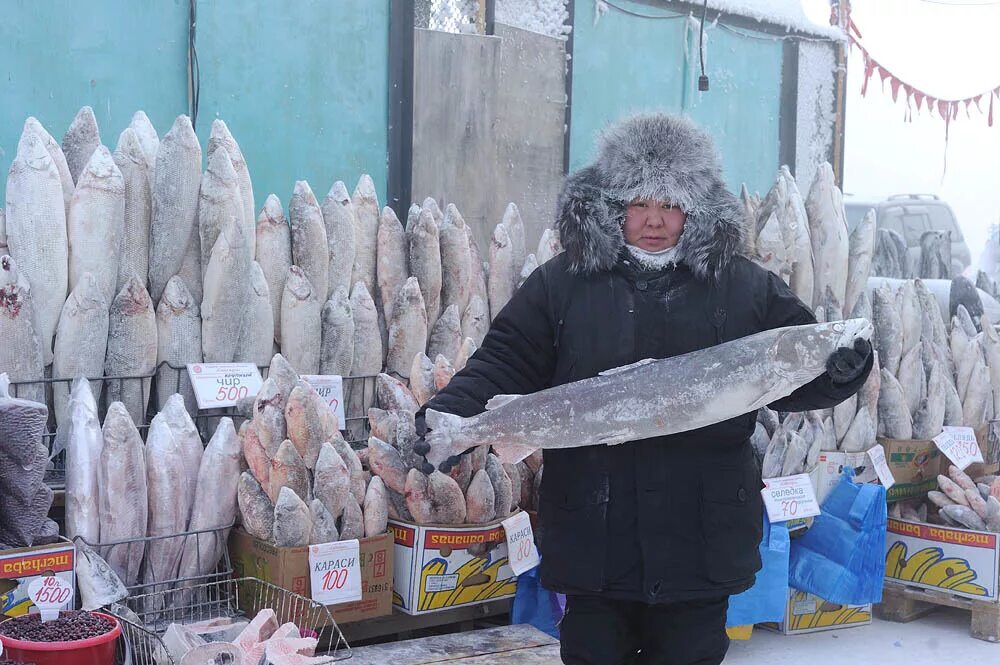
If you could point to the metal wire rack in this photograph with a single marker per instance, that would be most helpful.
(145, 618)
(458, 16)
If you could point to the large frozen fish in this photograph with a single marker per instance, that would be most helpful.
(99, 584)
(174, 226)
(132, 347)
(123, 492)
(888, 330)
(185, 433)
(964, 292)
(894, 418)
(977, 402)
(83, 460)
(225, 297)
(178, 342)
(309, 243)
(336, 354)
(422, 378)
(340, 221)
(148, 139)
(367, 354)
(913, 378)
(256, 508)
(58, 158)
(828, 234)
(935, 255)
(192, 271)
(797, 221)
(911, 316)
(514, 224)
(376, 508)
(274, 254)
(324, 525)
(331, 480)
(456, 258)
(630, 403)
(446, 336)
(434, 499)
(859, 260)
(21, 352)
(302, 329)
(366, 212)
(222, 138)
(391, 270)
(425, 261)
(503, 490)
(476, 320)
(292, 520)
(394, 395)
(219, 201)
(386, 463)
(502, 278)
(36, 233)
(929, 418)
(991, 350)
(443, 372)
(548, 246)
(479, 288)
(861, 436)
(81, 341)
(166, 481)
(96, 223)
(770, 248)
(136, 171)
(407, 330)
(255, 341)
(288, 470)
(309, 422)
(80, 141)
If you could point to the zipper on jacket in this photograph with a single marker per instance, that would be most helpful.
(719, 320)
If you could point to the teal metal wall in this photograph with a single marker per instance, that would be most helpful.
(625, 64)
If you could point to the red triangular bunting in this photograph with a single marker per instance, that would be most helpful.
(943, 109)
(990, 118)
(918, 97)
(895, 84)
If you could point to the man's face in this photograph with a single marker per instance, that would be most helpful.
(653, 225)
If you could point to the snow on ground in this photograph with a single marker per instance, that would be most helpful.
(548, 17)
(938, 638)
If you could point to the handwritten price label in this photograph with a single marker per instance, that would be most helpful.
(877, 455)
(959, 444)
(218, 385)
(331, 388)
(521, 551)
(789, 497)
(50, 594)
(335, 572)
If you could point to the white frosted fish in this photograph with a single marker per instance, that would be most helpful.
(324, 525)
(977, 402)
(123, 492)
(479, 287)
(443, 371)
(464, 353)
(57, 155)
(166, 482)
(331, 480)
(991, 350)
(80, 141)
(96, 223)
(530, 265)
(929, 418)
(309, 422)
(174, 226)
(366, 213)
(136, 170)
(132, 348)
(446, 336)
(21, 352)
(476, 320)
(256, 331)
(336, 354)
(913, 378)
(862, 308)
(376, 508)
(953, 415)
(407, 330)
(222, 138)
(859, 261)
(548, 246)
(963, 352)
(175, 416)
(964, 319)
(894, 419)
(422, 378)
(81, 341)
(309, 243)
(868, 394)
(423, 241)
(225, 298)
(797, 221)
(300, 322)
(828, 234)
(910, 315)
(192, 271)
(834, 312)
(391, 261)
(340, 221)
(888, 330)
(256, 509)
(274, 254)
(214, 502)
(502, 272)
(85, 441)
(292, 520)
(456, 258)
(771, 248)
(178, 343)
(219, 201)
(430, 204)
(514, 224)
(630, 403)
(99, 585)
(36, 233)
(843, 416)
(861, 436)
(148, 139)
(367, 352)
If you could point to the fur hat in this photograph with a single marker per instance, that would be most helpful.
(655, 156)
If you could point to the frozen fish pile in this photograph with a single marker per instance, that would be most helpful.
(959, 501)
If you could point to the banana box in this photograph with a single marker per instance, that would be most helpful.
(956, 561)
(440, 567)
(20, 567)
(830, 467)
(806, 613)
(915, 466)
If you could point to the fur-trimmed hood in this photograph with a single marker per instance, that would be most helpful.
(659, 156)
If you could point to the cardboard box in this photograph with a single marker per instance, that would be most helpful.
(988, 438)
(435, 570)
(288, 568)
(914, 464)
(20, 567)
(957, 561)
(830, 468)
(806, 613)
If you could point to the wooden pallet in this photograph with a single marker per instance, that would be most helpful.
(508, 645)
(903, 604)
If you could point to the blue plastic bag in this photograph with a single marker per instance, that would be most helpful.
(841, 558)
(536, 606)
(766, 599)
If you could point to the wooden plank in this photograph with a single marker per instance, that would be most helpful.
(453, 648)
(547, 655)
(398, 622)
(904, 604)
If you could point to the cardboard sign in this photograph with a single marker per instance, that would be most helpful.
(789, 497)
(521, 550)
(959, 444)
(218, 385)
(331, 388)
(335, 572)
(877, 455)
(50, 594)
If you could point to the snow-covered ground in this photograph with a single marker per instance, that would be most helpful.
(941, 638)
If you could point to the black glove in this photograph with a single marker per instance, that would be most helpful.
(847, 364)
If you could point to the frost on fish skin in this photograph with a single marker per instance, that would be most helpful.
(422, 378)
(894, 420)
(292, 520)
(446, 337)
(135, 168)
(828, 234)
(324, 525)
(123, 492)
(274, 254)
(81, 341)
(393, 395)
(434, 499)
(501, 280)
(80, 141)
(222, 138)
(423, 242)
(96, 223)
(219, 201)
(480, 502)
(225, 293)
(254, 344)
(443, 372)
(391, 268)
(366, 211)
(888, 340)
(456, 259)
(337, 349)
(340, 220)
(309, 422)
(386, 464)
(407, 329)
(376, 509)
(331, 480)
(301, 326)
(132, 347)
(309, 243)
(352, 522)
(288, 470)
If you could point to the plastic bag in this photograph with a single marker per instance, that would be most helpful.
(536, 606)
(766, 599)
(841, 558)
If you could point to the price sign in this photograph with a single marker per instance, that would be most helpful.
(789, 497)
(50, 594)
(331, 388)
(521, 551)
(218, 385)
(877, 455)
(959, 444)
(335, 572)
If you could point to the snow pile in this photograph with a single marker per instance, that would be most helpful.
(816, 113)
(789, 14)
(547, 17)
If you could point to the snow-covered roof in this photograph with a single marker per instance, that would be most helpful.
(790, 14)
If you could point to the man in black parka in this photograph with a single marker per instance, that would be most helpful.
(647, 539)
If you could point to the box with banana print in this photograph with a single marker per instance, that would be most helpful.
(806, 613)
(439, 567)
(957, 561)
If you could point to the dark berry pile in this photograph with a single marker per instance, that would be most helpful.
(69, 627)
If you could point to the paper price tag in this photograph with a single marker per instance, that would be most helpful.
(335, 572)
(521, 551)
(959, 444)
(331, 388)
(218, 385)
(50, 594)
(789, 497)
(877, 455)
